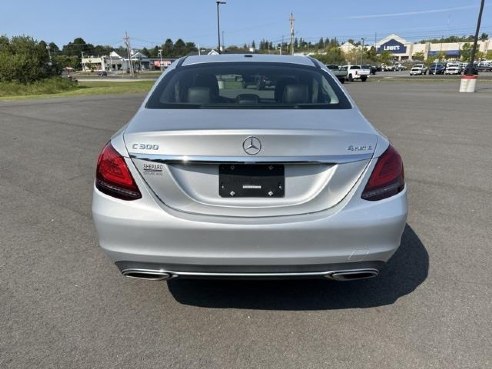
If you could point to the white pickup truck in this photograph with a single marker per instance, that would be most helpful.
(418, 69)
(453, 68)
(355, 72)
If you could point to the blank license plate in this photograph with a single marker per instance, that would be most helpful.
(251, 180)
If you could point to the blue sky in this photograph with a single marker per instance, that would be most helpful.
(150, 22)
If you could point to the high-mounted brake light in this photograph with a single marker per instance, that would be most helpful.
(387, 178)
(113, 176)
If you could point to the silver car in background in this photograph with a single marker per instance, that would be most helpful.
(215, 178)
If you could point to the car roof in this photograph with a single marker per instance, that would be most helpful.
(248, 58)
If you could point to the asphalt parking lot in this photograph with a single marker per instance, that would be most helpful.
(64, 305)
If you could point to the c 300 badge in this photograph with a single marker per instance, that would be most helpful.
(360, 148)
(138, 146)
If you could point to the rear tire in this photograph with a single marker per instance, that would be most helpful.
(363, 78)
(350, 78)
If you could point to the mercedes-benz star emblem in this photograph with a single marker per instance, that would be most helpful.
(252, 145)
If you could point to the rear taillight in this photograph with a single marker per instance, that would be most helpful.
(387, 178)
(113, 176)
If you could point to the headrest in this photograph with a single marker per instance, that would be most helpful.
(198, 95)
(295, 94)
(279, 87)
(207, 80)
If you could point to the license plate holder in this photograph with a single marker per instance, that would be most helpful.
(251, 180)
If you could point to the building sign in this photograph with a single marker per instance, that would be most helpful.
(455, 53)
(392, 46)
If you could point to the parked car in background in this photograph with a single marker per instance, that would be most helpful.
(232, 183)
(372, 68)
(437, 69)
(399, 67)
(387, 67)
(102, 73)
(484, 66)
(418, 69)
(453, 68)
(355, 72)
(335, 69)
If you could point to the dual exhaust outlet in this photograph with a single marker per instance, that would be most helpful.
(342, 275)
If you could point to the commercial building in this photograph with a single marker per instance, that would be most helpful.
(115, 62)
(405, 50)
(402, 49)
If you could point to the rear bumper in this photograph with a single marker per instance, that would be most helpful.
(358, 233)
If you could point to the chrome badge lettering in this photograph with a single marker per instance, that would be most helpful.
(153, 169)
(360, 148)
(145, 147)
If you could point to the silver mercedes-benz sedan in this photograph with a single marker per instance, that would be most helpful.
(249, 166)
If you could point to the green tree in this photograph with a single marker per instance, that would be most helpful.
(54, 48)
(332, 56)
(168, 48)
(24, 60)
(64, 61)
(191, 47)
(418, 56)
(385, 57)
(465, 53)
(77, 47)
(371, 54)
(179, 48)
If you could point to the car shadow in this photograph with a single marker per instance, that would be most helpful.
(405, 271)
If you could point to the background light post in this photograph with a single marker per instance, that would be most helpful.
(362, 54)
(160, 56)
(49, 55)
(218, 2)
(470, 70)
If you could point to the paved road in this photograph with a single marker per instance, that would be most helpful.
(63, 305)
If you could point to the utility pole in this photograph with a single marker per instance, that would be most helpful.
(129, 51)
(82, 61)
(292, 20)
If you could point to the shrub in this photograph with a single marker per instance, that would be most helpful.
(24, 60)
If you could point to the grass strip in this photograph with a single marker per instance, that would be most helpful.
(63, 88)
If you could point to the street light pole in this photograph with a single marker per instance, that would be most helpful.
(362, 55)
(218, 2)
(49, 54)
(160, 55)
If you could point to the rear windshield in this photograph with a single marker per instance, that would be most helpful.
(248, 86)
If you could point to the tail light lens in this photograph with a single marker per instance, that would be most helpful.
(387, 178)
(113, 176)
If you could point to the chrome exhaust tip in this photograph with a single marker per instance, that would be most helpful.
(352, 275)
(150, 275)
